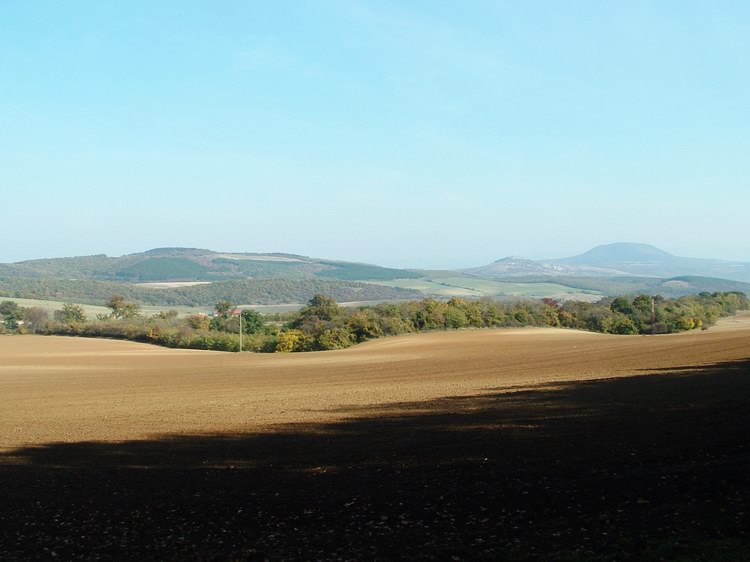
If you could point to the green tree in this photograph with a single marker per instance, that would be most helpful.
(252, 321)
(364, 325)
(9, 307)
(12, 319)
(623, 305)
(223, 308)
(169, 315)
(619, 323)
(11, 314)
(454, 318)
(335, 338)
(521, 315)
(323, 307)
(70, 314)
(429, 315)
(121, 308)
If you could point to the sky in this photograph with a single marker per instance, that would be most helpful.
(411, 134)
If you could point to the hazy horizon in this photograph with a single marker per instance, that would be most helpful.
(448, 263)
(425, 135)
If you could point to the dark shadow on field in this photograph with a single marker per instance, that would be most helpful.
(647, 467)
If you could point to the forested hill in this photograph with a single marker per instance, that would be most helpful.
(162, 277)
(262, 291)
(194, 264)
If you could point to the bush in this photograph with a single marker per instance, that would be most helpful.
(290, 340)
(335, 338)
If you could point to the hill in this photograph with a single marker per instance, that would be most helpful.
(243, 278)
(239, 291)
(643, 259)
(159, 277)
(195, 264)
(619, 253)
(616, 261)
(516, 266)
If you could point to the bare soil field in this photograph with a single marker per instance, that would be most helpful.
(492, 444)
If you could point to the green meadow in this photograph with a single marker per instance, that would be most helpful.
(92, 310)
(448, 284)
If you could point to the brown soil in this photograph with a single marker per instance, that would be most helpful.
(497, 444)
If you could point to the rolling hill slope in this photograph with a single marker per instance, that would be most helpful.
(624, 268)
(194, 264)
(616, 260)
(151, 277)
(643, 259)
(242, 278)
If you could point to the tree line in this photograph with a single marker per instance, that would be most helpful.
(323, 324)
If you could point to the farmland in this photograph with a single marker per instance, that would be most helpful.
(91, 310)
(55, 388)
(472, 444)
(447, 284)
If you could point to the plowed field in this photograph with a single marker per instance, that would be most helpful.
(460, 445)
(73, 389)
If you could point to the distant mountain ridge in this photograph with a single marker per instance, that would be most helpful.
(170, 275)
(620, 253)
(618, 259)
(196, 276)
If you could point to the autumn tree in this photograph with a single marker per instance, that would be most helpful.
(223, 308)
(198, 321)
(34, 318)
(121, 308)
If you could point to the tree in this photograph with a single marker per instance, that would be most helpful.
(364, 325)
(168, 315)
(35, 318)
(198, 321)
(454, 318)
(121, 308)
(9, 307)
(252, 321)
(622, 304)
(619, 323)
(70, 314)
(12, 314)
(335, 338)
(223, 308)
(292, 340)
(12, 319)
(323, 307)
(429, 315)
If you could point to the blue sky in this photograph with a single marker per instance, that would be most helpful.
(420, 133)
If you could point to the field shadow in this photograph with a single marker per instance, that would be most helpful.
(626, 468)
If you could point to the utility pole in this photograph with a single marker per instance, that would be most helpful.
(653, 316)
(240, 331)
